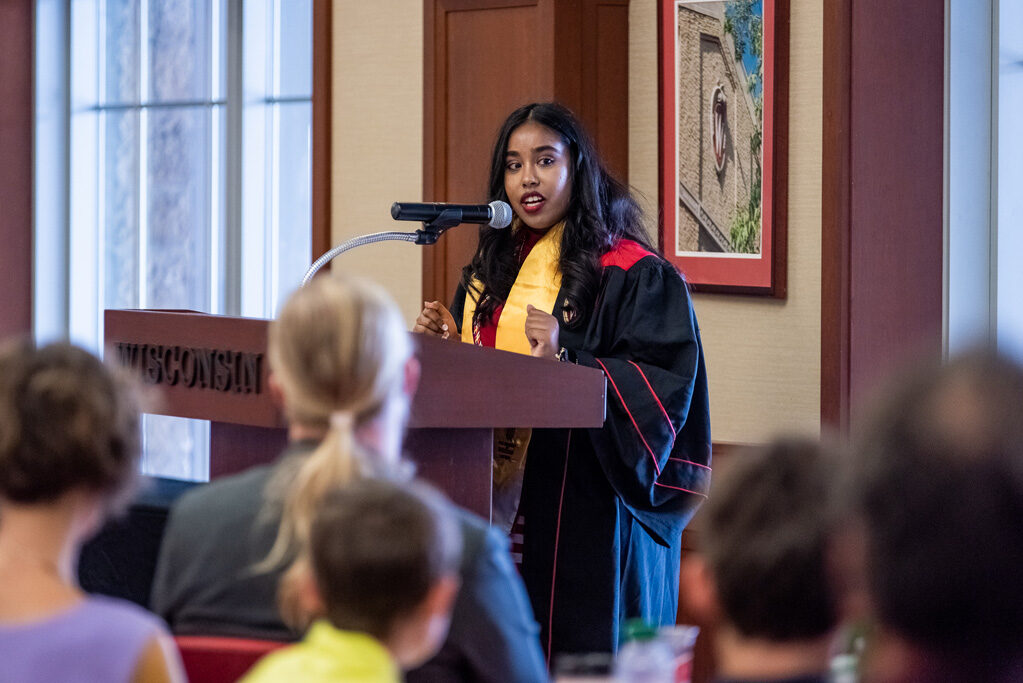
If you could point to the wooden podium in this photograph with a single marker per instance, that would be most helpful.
(215, 368)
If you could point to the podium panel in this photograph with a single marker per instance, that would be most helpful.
(215, 368)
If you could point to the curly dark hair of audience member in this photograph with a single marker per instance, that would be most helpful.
(600, 213)
(937, 479)
(768, 524)
(377, 548)
(67, 422)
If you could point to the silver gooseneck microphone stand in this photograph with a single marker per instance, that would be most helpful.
(428, 234)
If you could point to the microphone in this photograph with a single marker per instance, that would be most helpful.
(496, 214)
(436, 218)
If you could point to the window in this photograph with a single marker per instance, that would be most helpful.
(1009, 240)
(179, 134)
(985, 166)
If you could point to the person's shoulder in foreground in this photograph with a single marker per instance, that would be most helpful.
(69, 457)
(328, 654)
(494, 636)
(205, 580)
(100, 639)
(380, 571)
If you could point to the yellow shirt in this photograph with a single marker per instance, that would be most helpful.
(327, 654)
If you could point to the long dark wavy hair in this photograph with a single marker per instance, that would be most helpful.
(601, 212)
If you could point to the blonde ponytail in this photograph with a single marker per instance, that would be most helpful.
(335, 462)
(338, 351)
(291, 603)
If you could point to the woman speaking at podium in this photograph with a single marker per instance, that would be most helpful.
(601, 511)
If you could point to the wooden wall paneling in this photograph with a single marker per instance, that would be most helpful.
(591, 72)
(835, 218)
(323, 59)
(573, 27)
(17, 29)
(433, 166)
(505, 62)
(897, 165)
(482, 60)
(780, 150)
(883, 185)
(606, 82)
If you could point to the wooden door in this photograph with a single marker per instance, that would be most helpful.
(484, 58)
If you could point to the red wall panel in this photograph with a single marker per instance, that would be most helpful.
(16, 117)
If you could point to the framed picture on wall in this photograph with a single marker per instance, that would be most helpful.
(723, 67)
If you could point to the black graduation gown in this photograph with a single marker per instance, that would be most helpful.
(604, 509)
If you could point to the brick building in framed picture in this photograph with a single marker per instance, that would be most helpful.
(719, 105)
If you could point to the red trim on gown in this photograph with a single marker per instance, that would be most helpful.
(624, 255)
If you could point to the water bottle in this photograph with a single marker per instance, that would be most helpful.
(645, 657)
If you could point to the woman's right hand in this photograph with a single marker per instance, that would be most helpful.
(436, 321)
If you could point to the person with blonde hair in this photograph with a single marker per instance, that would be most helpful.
(69, 451)
(342, 364)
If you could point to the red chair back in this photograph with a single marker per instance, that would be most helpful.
(216, 659)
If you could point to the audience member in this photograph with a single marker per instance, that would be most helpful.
(342, 364)
(68, 457)
(381, 567)
(937, 484)
(761, 578)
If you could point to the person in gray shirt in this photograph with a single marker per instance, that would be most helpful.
(343, 366)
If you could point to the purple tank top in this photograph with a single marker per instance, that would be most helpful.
(99, 639)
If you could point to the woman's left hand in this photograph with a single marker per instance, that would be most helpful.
(542, 332)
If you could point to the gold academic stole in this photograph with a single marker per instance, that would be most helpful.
(538, 283)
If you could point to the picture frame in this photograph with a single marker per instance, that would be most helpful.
(723, 134)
